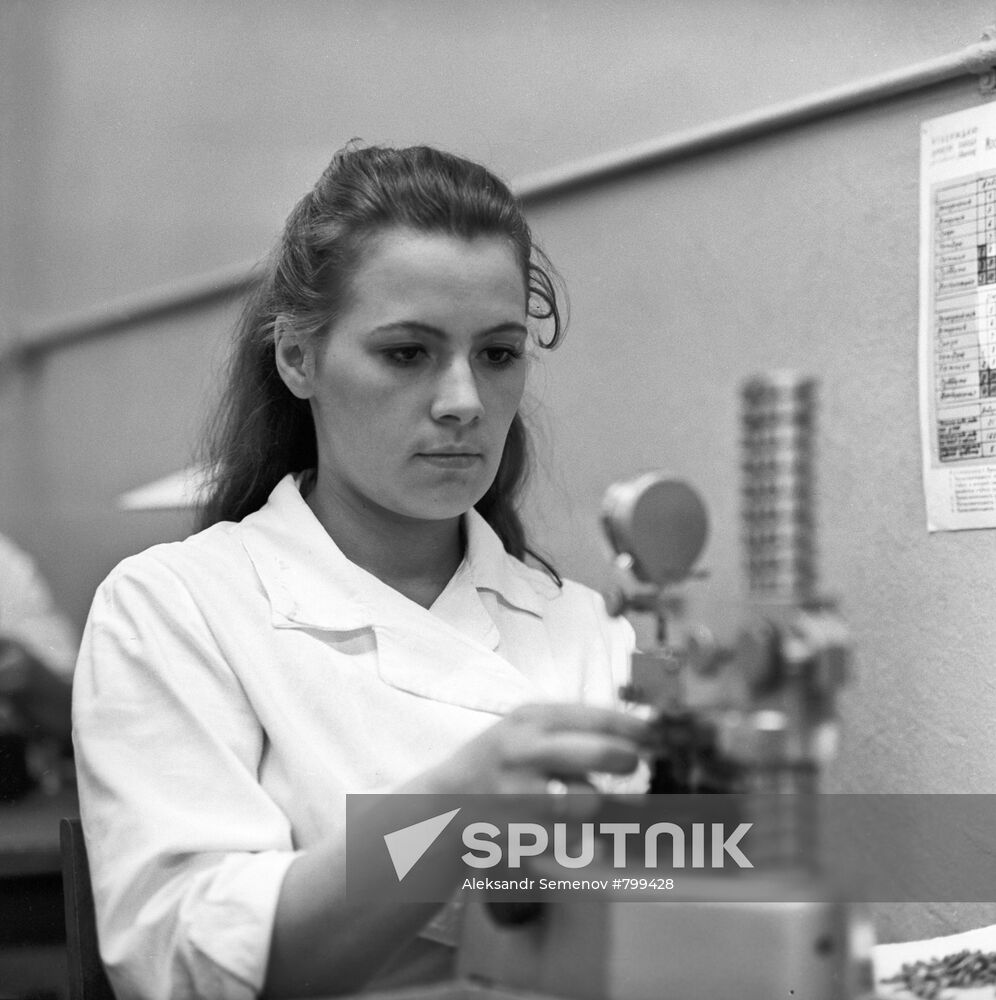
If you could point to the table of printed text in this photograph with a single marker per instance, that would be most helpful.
(964, 307)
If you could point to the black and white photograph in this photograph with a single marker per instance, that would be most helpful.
(497, 499)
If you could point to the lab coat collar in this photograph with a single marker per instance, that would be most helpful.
(311, 583)
(492, 568)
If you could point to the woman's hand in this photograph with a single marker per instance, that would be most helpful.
(541, 743)
(322, 938)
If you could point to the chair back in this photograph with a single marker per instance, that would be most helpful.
(87, 979)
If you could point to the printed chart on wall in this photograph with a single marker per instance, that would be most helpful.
(958, 318)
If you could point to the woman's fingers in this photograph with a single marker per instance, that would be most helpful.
(566, 742)
(575, 753)
(543, 742)
(586, 718)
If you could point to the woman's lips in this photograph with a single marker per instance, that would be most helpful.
(451, 459)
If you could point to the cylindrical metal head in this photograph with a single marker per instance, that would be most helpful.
(659, 522)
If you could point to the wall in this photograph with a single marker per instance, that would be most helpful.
(151, 142)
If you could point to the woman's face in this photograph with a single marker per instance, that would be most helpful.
(415, 386)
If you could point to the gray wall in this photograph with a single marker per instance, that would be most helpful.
(149, 142)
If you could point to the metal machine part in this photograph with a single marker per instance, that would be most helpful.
(791, 655)
(774, 734)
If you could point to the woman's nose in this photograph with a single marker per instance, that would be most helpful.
(457, 396)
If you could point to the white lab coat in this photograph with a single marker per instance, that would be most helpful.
(232, 688)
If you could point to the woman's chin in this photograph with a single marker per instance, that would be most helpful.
(441, 508)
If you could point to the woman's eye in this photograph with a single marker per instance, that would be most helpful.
(406, 355)
(501, 357)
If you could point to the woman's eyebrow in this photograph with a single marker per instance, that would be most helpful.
(414, 326)
(511, 327)
(408, 326)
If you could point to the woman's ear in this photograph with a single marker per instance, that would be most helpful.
(295, 358)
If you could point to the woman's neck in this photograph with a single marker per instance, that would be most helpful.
(415, 557)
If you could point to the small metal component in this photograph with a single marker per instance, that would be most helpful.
(655, 677)
(705, 655)
(979, 59)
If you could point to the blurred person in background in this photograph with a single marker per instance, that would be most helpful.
(38, 649)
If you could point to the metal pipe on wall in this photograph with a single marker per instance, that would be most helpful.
(976, 59)
(979, 59)
(128, 311)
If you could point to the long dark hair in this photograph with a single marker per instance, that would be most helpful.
(261, 431)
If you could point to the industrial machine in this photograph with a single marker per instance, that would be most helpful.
(762, 736)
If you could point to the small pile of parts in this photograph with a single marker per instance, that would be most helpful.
(964, 969)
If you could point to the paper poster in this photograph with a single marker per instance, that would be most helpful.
(958, 318)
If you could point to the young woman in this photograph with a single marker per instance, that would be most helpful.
(356, 615)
